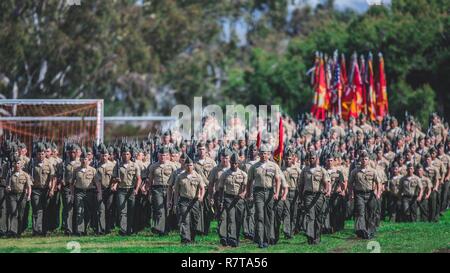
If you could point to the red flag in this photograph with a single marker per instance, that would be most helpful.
(382, 100)
(320, 93)
(371, 90)
(349, 99)
(278, 154)
(258, 140)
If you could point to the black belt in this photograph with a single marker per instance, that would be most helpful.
(262, 189)
(41, 189)
(312, 193)
(125, 189)
(182, 198)
(160, 186)
(84, 190)
(363, 192)
(230, 195)
(409, 196)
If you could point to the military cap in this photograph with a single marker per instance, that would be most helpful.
(200, 144)
(363, 154)
(395, 165)
(377, 149)
(361, 116)
(111, 149)
(103, 150)
(440, 145)
(234, 142)
(409, 165)
(174, 150)
(310, 155)
(226, 152)
(265, 148)
(290, 152)
(351, 119)
(125, 149)
(16, 159)
(164, 150)
(188, 160)
(252, 147)
(419, 166)
(166, 133)
(183, 155)
(22, 145)
(75, 147)
(83, 154)
(89, 149)
(337, 155)
(241, 138)
(47, 145)
(234, 158)
(432, 150)
(40, 147)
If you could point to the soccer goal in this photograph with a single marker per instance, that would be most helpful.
(52, 119)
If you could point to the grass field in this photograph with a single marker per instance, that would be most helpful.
(392, 237)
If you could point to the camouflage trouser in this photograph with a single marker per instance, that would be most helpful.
(39, 205)
(337, 212)
(105, 212)
(264, 215)
(445, 195)
(365, 214)
(125, 208)
(188, 216)
(67, 210)
(393, 207)
(285, 213)
(159, 205)
(3, 211)
(53, 212)
(231, 219)
(424, 210)
(313, 220)
(249, 219)
(325, 215)
(85, 206)
(207, 215)
(349, 207)
(433, 202)
(409, 208)
(16, 203)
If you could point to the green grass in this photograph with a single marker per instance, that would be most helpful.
(392, 237)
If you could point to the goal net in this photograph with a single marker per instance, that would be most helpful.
(53, 120)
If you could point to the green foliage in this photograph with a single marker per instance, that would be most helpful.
(145, 58)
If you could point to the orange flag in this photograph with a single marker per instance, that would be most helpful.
(382, 99)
